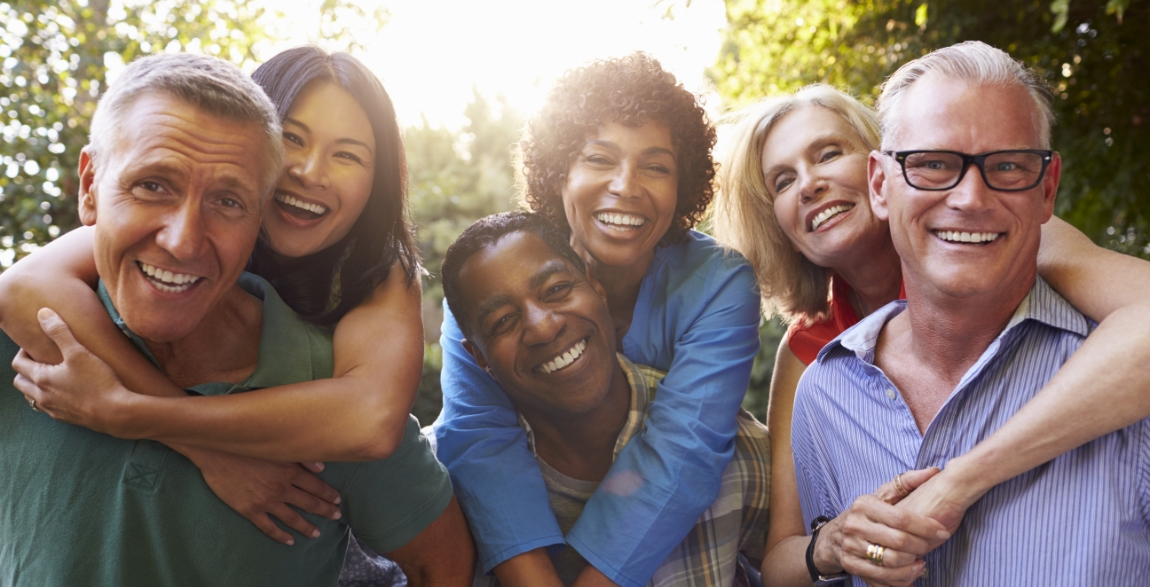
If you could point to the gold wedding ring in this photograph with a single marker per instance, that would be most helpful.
(32, 403)
(899, 487)
(874, 554)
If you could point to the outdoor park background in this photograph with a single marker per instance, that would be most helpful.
(462, 74)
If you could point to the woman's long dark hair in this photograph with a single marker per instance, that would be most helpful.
(325, 285)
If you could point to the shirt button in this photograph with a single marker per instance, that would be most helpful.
(890, 393)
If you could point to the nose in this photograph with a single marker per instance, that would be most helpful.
(971, 194)
(625, 183)
(308, 169)
(541, 325)
(182, 234)
(811, 186)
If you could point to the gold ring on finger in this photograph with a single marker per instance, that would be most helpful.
(874, 554)
(899, 487)
(32, 403)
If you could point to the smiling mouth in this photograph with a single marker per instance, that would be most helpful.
(616, 221)
(829, 213)
(166, 281)
(565, 359)
(973, 238)
(299, 208)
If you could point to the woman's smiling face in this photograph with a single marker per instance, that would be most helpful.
(621, 194)
(330, 167)
(815, 168)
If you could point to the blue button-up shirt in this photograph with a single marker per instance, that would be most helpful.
(1080, 519)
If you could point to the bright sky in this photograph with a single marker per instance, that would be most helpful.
(432, 52)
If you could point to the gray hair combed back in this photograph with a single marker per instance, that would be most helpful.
(209, 83)
(744, 209)
(976, 63)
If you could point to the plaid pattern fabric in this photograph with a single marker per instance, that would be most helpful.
(737, 520)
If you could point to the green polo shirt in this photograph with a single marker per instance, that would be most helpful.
(82, 508)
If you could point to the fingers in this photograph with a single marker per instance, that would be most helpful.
(314, 486)
(32, 392)
(58, 331)
(312, 504)
(874, 521)
(908, 482)
(293, 520)
(267, 526)
(315, 467)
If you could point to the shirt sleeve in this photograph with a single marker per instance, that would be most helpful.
(667, 476)
(498, 483)
(389, 502)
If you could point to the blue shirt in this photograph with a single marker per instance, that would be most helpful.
(1080, 519)
(697, 318)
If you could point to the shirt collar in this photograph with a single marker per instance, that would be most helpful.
(1042, 304)
(291, 349)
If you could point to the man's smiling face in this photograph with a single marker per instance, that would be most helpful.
(176, 202)
(538, 325)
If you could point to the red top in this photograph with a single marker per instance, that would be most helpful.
(807, 341)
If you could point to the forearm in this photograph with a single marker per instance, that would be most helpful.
(497, 480)
(785, 564)
(530, 569)
(324, 420)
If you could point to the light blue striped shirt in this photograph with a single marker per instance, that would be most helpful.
(1080, 519)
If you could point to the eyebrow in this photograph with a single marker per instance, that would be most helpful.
(339, 141)
(540, 277)
(818, 142)
(647, 151)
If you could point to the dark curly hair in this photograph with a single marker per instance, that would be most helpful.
(631, 91)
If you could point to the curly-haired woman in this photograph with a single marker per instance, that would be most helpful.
(619, 157)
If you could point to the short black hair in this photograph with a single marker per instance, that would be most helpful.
(486, 232)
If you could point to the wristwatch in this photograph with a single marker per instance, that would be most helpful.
(817, 577)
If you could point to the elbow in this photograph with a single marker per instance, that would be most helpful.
(383, 437)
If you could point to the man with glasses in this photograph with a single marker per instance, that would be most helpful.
(965, 180)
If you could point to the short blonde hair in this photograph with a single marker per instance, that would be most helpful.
(978, 64)
(744, 210)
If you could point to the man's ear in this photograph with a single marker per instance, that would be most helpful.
(87, 187)
(1050, 186)
(473, 350)
(876, 180)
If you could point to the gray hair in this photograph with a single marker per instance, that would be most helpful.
(209, 83)
(744, 209)
(976, 63)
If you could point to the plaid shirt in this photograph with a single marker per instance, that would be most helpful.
(736, 521)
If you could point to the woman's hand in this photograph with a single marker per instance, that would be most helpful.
(260, 489)
(872, 519)
(82, 390)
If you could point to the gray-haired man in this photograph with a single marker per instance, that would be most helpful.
(185, 151)
(965, 179)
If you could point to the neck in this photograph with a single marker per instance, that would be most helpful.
(950, 333)
(876, 281)
(224, 347)
(582, 446)
(621, 284)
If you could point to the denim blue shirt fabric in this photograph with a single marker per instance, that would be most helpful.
(1080, 519)
(697, 318)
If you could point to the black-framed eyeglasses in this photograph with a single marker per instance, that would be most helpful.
(1005, 171)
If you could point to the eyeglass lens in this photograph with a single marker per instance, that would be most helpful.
(1008, 170)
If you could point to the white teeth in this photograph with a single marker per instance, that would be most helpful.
(828, 214)
(955, 236)
(313, 208)
(565, 359)
(166, 281)
(625, 220)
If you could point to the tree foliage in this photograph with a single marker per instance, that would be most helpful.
(1094, 53)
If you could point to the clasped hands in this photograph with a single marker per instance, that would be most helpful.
(906, 528)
